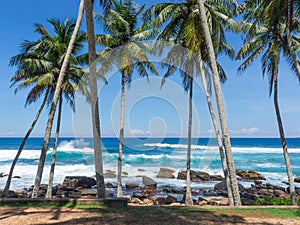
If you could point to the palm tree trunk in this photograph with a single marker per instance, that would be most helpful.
(282, 138)
(57, 91)
(220, 104)
(217, 132)
(94, 100)
(188, 197)
(8, 182)
(51, 175)
(121, 138)
(289, 17)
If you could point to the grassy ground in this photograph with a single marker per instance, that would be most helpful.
(92, 214)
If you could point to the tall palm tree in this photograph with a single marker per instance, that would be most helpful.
(183, 26)
(61, 76)
(266, 26)
(220, 102)
(124, 49)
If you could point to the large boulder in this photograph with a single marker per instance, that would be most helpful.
(148, 182)
(110, 174)
(222, 186)
(72, 182)
(166, 173)
(249, 175)
(170, 200)
(132, 186)
(159, 200)
(196, 176)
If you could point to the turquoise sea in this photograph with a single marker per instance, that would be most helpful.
(75, 157)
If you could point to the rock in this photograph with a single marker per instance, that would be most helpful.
(257, 182)
(170, 200)
(159, 200)
(110, 174)
(125, 173)
(147, 181)
(213, 201)
(79, 181)
(224, 201)
(17, 177)
(62, 193)
(137, 201)
(90, 192)
(297, 180)
(247, 195)
(297, 189)
(132, 186)
(176, 204)
(21, 193)
(128, 197)
(204, 202)
(166, 173)
(12, 194)
(278, 193)
(148, 202)
(247, 201)
(250, 175)
(196, 176)
(222, 186)
(148, 191)
(141, 170)
(109, 185)
(210, 193)
(216, 177)
(3, 175)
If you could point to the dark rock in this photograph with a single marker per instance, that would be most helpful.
(79, 181)
(213, 201)
(137, 201)
(170, 200)
(216, 177)
(203, 175)
(247, 201)
(257, 182)
(12, 194)
(250, 175)
(159, 200)
(166, 173)
(222, 186)
(297, 189)
(148, 191)
(17, 177)
(249, 196)
(62, 193)
(3, 175)
(210, 193)
(125, 173)
(147, 181)
(297, 180)
(109, 185)
(141, 170)
(196, 176)
(132, 185)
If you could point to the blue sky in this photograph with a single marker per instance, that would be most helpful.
(150, 111)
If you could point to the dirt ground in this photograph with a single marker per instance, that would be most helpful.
(135, 215)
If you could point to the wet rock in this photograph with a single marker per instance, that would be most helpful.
(62, 193)
(148, 202)
(297, 180)
(216, 177)
(222, 186)
(125, 173)
(3, 175)
(247, 201)
(73, 182)
(148, 191)
(148, 182)
(250, 196)
(166, 173)
(170, 200)
(210, 193)
(109, 185)
(250, 175)
(137, 201)
(17, 177)
(141, 170)
(159, 200)
(213, 201)
(132, 186)
(12, 194)
(196, 176)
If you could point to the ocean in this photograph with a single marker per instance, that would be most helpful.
(75, 157)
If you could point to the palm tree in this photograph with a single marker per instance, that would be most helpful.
(123, 48)
(220, 102)
(183, 26)
(266, 30)
(61, 76)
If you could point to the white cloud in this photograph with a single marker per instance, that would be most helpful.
(245, 131)
(138, 132)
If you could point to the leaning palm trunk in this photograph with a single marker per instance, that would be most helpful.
(121, 138)
(282, 138)
(57, 91)
(291, 51)
(8, 182)
(94, 99)
(188, 197)
(53, 161)
(217, 132)
(220, 104)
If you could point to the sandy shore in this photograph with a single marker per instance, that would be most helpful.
(136, 215)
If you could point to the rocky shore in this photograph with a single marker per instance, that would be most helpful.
(152, 193)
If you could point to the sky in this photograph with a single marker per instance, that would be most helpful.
(150, 110)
